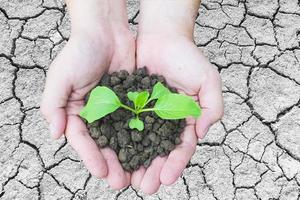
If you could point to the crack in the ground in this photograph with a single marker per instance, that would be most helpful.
(283, 75)
(5, 100)
(121, 192)
(10, 178)
(187, 188)
(48, 168)
(136, 193)
(205, 182)
(63, 9)
(132, 20)
(61, 184)
(61, 146)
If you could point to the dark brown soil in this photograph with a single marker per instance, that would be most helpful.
(135, 148)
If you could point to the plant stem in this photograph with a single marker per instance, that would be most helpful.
(128, 108)
(146, 110)
(147, 102)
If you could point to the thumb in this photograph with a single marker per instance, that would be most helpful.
(211, 101)
(54, 101)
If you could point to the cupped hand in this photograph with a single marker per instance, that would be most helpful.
(185, 67)
(74, 72)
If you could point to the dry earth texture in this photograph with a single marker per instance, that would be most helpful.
(252, 153)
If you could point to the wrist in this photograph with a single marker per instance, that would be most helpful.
(168, 17)
(118, 14)
(88, 16)
(96, 19)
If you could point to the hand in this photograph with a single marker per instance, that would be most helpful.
(185, 68)
(165, 45)
(89, 53)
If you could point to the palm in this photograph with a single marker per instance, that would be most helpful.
(180, 61)
(186, 69)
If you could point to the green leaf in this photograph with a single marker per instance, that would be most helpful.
(176, 106)
(159, 90)
(132, 96)
(102, 101)
(141, 99)
(136, 123)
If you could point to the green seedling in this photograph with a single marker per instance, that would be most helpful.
(168, 105)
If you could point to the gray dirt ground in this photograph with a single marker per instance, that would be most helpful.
(253, 153)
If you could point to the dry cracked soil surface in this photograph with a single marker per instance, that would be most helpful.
(252, 153)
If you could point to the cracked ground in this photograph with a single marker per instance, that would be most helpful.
(252, 153)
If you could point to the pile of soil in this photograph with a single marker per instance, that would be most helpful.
(135, 148)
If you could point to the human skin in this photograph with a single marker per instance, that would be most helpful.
(165, 45)
(100, 42)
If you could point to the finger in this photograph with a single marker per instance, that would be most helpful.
(57, 122)
(84, 145)
(151, 180)
(211, 101)
(137, 177)
(55, 96)
(128, 178)
(116, 176)
(179, 157)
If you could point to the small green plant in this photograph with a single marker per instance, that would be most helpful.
(103, 101)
